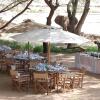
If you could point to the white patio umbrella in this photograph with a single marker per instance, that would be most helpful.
(50, 36)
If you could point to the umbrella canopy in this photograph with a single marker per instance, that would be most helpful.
(49, 35)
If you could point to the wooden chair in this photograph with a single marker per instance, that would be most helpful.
(3, 65)
(5, 62)
(42, 82)
(64, 82)
(81, 76)
(76, 81)
(53, 77)
(19, 81)
(8, 63)
(78, 78)
(19, 65)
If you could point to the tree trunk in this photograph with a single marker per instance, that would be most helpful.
(75, 3)
(71, 15)
(83, 17)
(73, 26)
(53, 7)
(50, 17)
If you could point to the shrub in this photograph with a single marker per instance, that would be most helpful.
(38, 48)
(26, 46)
(91, 49)
(12, 44)
(55, 49)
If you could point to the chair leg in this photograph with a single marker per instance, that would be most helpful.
(57, 87)
(35, 86)
(81, 84)
(27, 86)
(19, 87)
(47, 89)
(13, 85)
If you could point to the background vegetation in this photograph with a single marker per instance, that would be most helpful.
(39, 48)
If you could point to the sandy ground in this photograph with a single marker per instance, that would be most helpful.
(90, 90)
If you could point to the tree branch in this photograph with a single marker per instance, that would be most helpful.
(74, 8)
(68, 9)
(57, 3)
(7, 6)
(17, 14)
(12, 6)
(50, 4)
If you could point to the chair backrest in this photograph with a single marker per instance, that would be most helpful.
(13, 67)
(40, 76)
(18, 65)
(62, 77)
(13, 73)
(83, 70)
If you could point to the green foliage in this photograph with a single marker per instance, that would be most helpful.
(38, 48)
(4, 42)
(26, 46)
(55, 49)
(13, 45)
(91, 49)
(16, 45)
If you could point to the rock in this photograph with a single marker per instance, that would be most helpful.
(3, 22)
(26, 25)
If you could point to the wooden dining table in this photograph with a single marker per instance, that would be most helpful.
(52, 73)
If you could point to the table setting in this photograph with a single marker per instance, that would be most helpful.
(47, 67)
(4, 48)
(26, 56)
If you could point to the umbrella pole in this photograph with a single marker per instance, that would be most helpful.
(48, 53)
(28, 49)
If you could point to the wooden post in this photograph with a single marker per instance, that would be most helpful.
(48, 53)
(28, 50)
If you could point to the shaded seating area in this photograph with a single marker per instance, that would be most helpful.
(46, 78)
(32, 72)
(60, 78)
